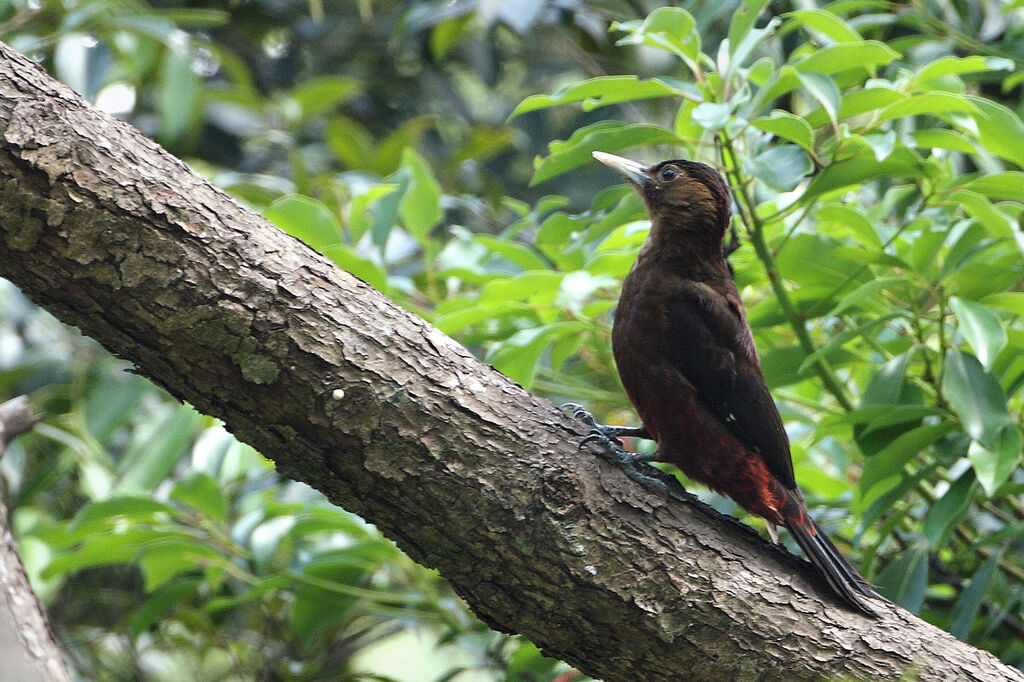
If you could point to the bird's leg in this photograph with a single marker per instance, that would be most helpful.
(634, 464)
(603, 433)
(773, 532)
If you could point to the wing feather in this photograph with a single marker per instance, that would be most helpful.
(712, 347)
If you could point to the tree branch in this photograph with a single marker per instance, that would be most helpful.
(392, 420)
(27, 649)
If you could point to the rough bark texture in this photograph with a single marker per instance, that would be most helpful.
(27, 649)
(394, 421)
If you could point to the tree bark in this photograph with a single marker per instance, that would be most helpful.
(391, 419)
(27, 649)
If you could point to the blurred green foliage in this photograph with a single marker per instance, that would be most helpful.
(875, 153)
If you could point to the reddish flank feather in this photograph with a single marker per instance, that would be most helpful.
(687, 359)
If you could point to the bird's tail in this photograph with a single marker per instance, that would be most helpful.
(843, 578)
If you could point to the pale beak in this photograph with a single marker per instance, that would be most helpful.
(634, 172)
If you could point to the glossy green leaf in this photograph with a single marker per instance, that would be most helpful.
(993, 463)
(204, 494)
(940, 138)
(982, 329)
(851, 219)
(607, 136)
(420, 206)
(946, 66)
(711, 116)
(150, 460)
(782, 167)
(826, 23)
(667, 28)
(1000, 130)
(785, 125)
(1004, 185)
(845, 56)
(904, 579)
(599, 92)
(743, 19)
(949, 509)
(890, 460)
(930, 103)
(975, 395)
(318, 95)
(307, 219)
(178, 94)
(901, 164)
(823, 89)
(1012, 301)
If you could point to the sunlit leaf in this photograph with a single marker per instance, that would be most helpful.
(975, 395)
(824, 22)
(307, 219)
(782, 167)
(599, 92)
(993, 463)
(981, 328)
(788, 127)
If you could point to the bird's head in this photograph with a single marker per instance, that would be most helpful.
(679, 195)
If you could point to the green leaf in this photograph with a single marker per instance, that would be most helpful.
(1004, 185)
(845, 56)
(981, 328)
(667, 28)
(969, 603)
(904, 579)
(991, 218)
(347, 259)
(993, 464)
(164, 559)
(161, 603)
(148, 462)
(204, 494)
(940, 138)
(307, 219)
(947, 66)
(782, 167)
(929, 103)
(321, 94)
(743, 19)
(600, 92)
(785, 125)
(1000, 130)
(177, 94)
(949, 508)
(1012, 301)
(420, 206)
(711, 116)
(826, 23)
(823, 89)
(902, 163)
(889, 461)
(849, 218)
(975, 395)
(608, 136)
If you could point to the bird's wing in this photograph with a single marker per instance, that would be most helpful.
(712, 347)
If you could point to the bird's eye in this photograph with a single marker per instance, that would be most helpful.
(668, 173)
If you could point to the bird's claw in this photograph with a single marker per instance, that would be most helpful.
(634, 464)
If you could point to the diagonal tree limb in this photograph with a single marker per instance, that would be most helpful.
(27, 649)
(392, 420)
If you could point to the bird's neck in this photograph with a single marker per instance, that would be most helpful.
(691, 248)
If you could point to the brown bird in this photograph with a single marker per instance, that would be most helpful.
(687, 359)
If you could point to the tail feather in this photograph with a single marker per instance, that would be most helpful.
(837, 571)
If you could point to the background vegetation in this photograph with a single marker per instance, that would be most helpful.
(874, 151)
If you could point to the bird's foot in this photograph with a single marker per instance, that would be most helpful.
(636, 465)
(604, 434)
